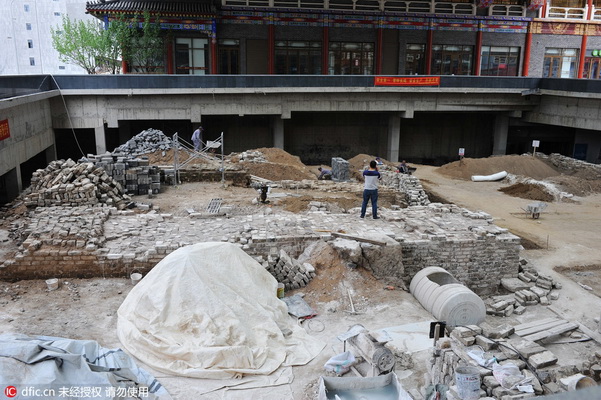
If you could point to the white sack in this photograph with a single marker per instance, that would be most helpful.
(210, 311)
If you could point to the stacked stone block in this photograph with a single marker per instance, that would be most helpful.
(411, 186)
(341, 170)
(73, 184)
(132, 173)
(289, 271)
(147, 141)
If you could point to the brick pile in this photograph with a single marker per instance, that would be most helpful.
(571, 165)
(528, 289)
(407, 184)
(252, 156)
(147, 141)
(134, 174)
(341, 169)
(506, 344)
(73, 184)
(289, 271)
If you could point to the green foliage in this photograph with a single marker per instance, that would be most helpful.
(79, 43)
(93, 48)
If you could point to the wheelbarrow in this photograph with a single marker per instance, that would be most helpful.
(534, 209)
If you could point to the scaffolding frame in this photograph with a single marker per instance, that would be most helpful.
(180, 144)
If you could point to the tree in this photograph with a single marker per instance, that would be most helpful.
(94, 48)
(79, 43)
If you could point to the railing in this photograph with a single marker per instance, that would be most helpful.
(507, 10)
(567, 12)
(420, 7)
(454, 8)
(596, 14)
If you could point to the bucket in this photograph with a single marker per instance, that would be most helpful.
(135, 277)
(280, 291)
(467, 380)
(52, 283)
(577, 382)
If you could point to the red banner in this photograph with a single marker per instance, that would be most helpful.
(407, 81)
(4, 131)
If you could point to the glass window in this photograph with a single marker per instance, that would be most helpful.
(415, 56)
(191, 56)
(560, 63)
(31, 61)
(28, 26)
(451, 60)
(26, 7)
(297, 57)
(57, 14)
(30, 43)
(499, 61)
(229, 56)
(61, 67)
(347, 58)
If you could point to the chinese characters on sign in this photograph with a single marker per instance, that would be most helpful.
(407, 81)
(4, 130)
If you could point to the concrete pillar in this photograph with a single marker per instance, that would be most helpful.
(500, 135)
(278, 132)
(394, 138)
(100, 139)
(50, 154)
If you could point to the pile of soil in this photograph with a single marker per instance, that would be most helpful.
(166, 158)
(576, 185)
(300, 204)
(513, 164)
(528, 191)
(281, 166)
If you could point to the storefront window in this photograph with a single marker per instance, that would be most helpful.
(229, 56)
(560, 63)
(347, 58)
(191, 56)
(415, 56)
(297, 57)
(451, 60)
(499, 61)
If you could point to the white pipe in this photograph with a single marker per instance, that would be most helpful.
(489, 178)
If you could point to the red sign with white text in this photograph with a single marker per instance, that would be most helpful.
(407, 81)
(4, 131)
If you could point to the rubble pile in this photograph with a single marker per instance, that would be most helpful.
(572, 165)
(147, 141)
(410, 185)
(529, 288)
(69, 183)
(289, 271)
(132, 173)
(341, 169)
(508, 358)
(252, 156)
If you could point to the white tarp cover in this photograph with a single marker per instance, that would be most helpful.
(209, 310)
(52, 367)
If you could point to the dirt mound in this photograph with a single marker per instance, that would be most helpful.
(517, 165)
(277, 172)
(576, 185)
(280, 156)
(165, 157)
(528, 191)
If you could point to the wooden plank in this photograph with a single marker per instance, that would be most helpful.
(539, 328)
(358, 238)
(556, 331)
(533, 323)
(593, 335)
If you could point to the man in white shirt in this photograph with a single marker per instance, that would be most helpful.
(197, 138)
(370, 190)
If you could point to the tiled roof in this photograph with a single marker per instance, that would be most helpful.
(164, 7)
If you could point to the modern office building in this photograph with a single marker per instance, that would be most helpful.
(26, 39)
(540, 38)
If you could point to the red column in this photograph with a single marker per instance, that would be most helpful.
(429, 50)
(213, 56)
(582, 55)
(478, 54)
(170, 57)
(271, 50)
(123, 66)
(379, 52)
(589, 13)
(325, 50)
(526, 64)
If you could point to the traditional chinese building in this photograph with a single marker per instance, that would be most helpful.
(540, 38)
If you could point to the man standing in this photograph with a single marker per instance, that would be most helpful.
(370, 190)
(197, 138)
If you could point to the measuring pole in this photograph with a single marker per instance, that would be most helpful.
(175, 162)
(222, 165)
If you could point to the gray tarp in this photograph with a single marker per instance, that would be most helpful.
(58, 368)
